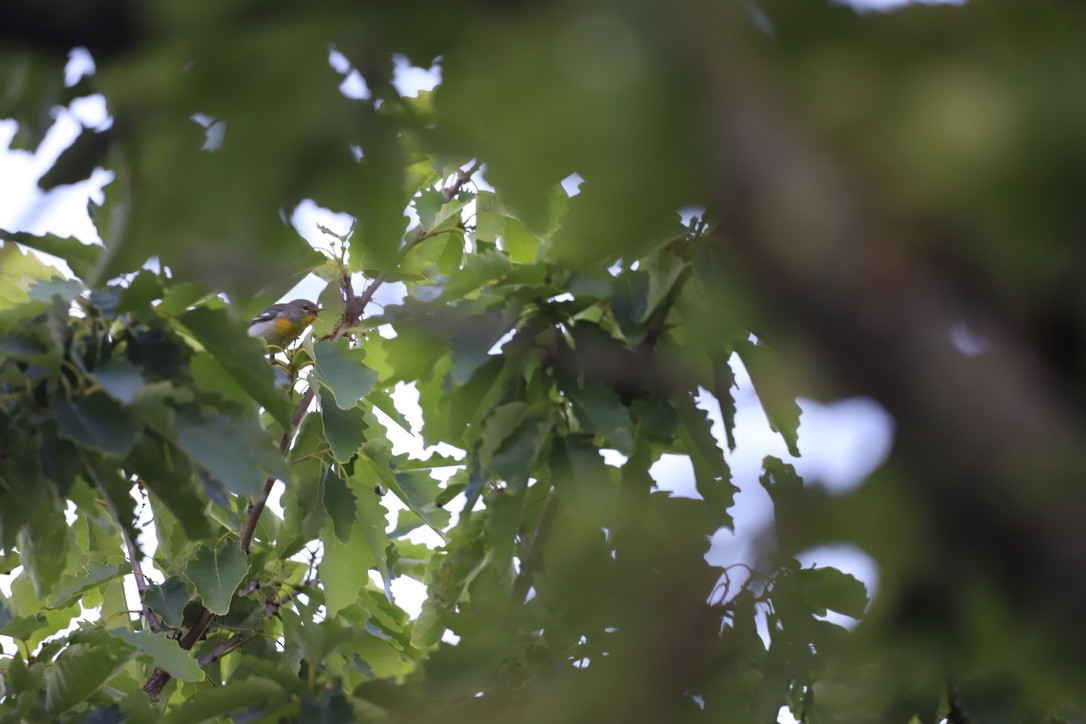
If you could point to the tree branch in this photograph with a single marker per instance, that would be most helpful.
(153, 622)
(159, 679)
(354, 306)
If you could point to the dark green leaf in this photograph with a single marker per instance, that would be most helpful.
(216, 573)
(120, 379)
(599, 410)
(339, 501)
(331, 707)
(344, 428)
(97, 422)
(711, 473)
(774, 390)
(168, 600)
(232, 449)
(829, 588)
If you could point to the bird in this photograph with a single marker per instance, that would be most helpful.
(280, 324)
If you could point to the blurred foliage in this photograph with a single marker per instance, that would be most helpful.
(873, 183)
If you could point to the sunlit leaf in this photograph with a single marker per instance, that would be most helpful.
(341, 370)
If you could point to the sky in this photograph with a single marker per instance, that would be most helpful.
(840, 441)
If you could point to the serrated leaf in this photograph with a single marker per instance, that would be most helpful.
(121, 380)
(79, 256)
(341, 370)
(778, 400)
(339, 501)
(345, 429)
(216, 573)
(832, 589)
(371, 523)
(79, 672)
(500, 424)
(168, 600)
(712, 476)
(163, 651)
(343, 570)
(98, 422)
(44, 290)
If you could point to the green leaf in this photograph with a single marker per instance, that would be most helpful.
(216, 573)
(711, 473)
(166, 472)
(663, 270)
(252, 694)
(343, 570)
(331, 707)
(98, 422)
(240, 355)
(163, 652)
(79, 672)
(44, 290)
(339, 501)
(120, 379)
(43, 547)
(144, 288)
(418, 491)
(168, 600)
(519, 243)
(513, 437)
(413, 353)
(81, 258)
(372, 522)
(774, 391)
(832, 589)
(94, 575)
(599, 410)
(341, 370)
(345, 429)
(234, 450)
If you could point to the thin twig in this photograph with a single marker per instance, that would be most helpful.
(221, 650)
(153, 622)
(533, 556)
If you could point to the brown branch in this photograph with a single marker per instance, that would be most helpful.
(354, 306)
(153, 622)
(159, 679)
(221, 650)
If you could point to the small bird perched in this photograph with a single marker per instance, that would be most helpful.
(280, 324)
